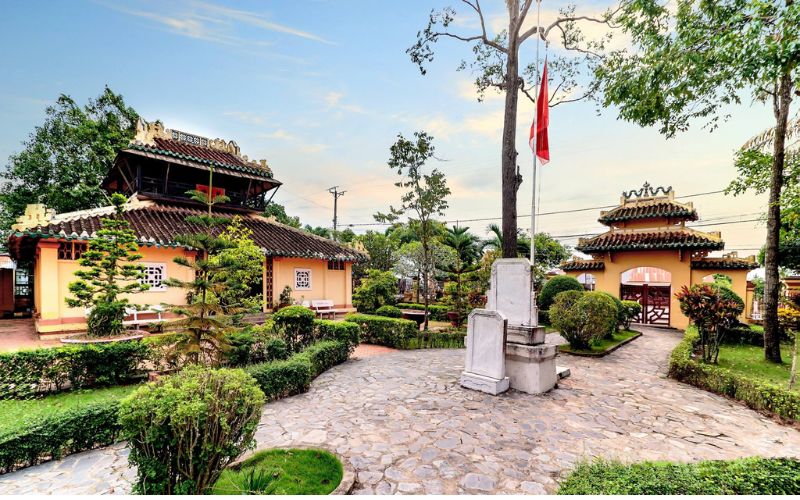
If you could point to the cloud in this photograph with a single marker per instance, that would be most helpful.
(297, 143)
(334, 101)
(280, 135)
(467, 90)
(245, 117)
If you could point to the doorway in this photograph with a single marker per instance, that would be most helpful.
(652, 288)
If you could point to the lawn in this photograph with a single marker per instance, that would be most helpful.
(748, 360)
(18, 412)
(603, 345)
(283, 472)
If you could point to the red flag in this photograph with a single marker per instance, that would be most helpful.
(542, 121)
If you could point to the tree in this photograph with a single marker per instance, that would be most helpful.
(497, 67)
(279, 212)
(426, 196)
(241, 267)
(413, 262)
(377, 289)
(381, 250)
(109, 269)
(319, 231)
(466, 244)
(203, 316)
(66, 158)
(690, 64)
(549, 251)
(466, 250)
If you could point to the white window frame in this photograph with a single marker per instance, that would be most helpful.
(163, 266)
(298, 270)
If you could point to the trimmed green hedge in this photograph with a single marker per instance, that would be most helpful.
(380, 330)
(60, 434)
(743, 334)
(28, 373)
(758, 395)
(279, 379)
(744, 476)
(326, 329)
(437, 340)
(435, 312)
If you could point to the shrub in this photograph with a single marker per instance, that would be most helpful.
(184, 429)
(544, 317)
(620, 313)
(59, 434)
(285, 298)
(389, 312)
(758, 395)
(629, 310)
(324, 355)
(743, 334)
(378, 288)
(254, 346)
(162, 353)
(744, 476)
(296, 324)
(554, 286)
(28, 373)
(390, 332)
(711, 310)
(582, 318)
(435, 312)
(338, 330)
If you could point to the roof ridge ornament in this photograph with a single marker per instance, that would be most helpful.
(646, 191)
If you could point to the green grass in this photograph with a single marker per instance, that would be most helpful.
(16, 413)
(602, 345)
(283, 472)
(744, 476)
(749, 361)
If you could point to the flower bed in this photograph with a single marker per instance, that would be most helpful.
(603, 347)
(744, 476)
(759, 395)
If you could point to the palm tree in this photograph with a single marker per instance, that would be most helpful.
(466, 244)
(495, 242)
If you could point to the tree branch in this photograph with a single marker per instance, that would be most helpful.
(483, 37)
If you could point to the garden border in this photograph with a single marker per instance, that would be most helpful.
(600, 354)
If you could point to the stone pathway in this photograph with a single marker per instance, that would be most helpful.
(406, 426)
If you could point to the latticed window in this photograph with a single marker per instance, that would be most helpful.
(302, 279)
(70, 250)
(336, 265)
(154, 275)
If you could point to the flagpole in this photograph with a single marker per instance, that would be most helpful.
(535, 320)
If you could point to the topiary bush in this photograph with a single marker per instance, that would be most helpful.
(377, 288)
(630, 309)
(379, 330)
(344, 331)
(583, 318)
(28, 373)
(389, 312)
(296, 325)
(436, 312)
(620, 313)
(184, 429)
(553, 287)
(254, 346)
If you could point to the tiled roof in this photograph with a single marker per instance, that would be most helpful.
(200, 154)
(724, 263)
(157, 224)
(649, 240)
(648, 210)
(582, 265)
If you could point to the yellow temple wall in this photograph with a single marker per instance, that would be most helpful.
(326, 284)
(738, 284)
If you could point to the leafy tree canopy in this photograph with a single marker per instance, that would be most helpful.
(279, 212)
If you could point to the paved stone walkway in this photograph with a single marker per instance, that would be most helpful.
(406, 426)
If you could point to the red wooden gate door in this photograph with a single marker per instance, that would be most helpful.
(654, 300)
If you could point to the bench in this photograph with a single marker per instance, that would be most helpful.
(134, 313)
(325, 307)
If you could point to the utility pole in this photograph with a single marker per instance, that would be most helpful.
(336, 195)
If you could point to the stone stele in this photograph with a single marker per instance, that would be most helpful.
(485, 365)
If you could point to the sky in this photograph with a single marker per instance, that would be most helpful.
(320, 89)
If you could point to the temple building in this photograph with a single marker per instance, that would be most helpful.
(155, 171)
(649, 253)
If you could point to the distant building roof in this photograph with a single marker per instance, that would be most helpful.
(157, 223)
(657, 208)
(582, 265)
(727, 262)
(651, 239)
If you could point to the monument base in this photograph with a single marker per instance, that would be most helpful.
(527, 335)
(531, 368)
(484, 384)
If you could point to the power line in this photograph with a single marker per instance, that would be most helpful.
(336, 195)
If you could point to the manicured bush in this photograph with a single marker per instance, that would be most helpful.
(28, 373)
(583, 318)
(629, 310)
(389, 312)
(437, 340)
(185, 428)
(59, 434)
(390, 332)
(744, 476)
(544, 317)
(711, 309)
(377, 288)
(162, 354)
(344, 331)
(296, 325)
(251, 346)
(325, 354)
(554, 286)
(620, 312)
(741, 333)
(436, 312)
(758, 395)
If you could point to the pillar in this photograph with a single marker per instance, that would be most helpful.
(48, 289)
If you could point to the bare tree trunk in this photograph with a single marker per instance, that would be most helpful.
(509, 154)
(781, 101)
(793, 371)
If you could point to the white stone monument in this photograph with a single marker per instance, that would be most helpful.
(485, 366)
(530, 363)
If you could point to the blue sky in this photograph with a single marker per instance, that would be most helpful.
(321, 89)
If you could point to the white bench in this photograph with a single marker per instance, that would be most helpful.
(325, 307)
(134, 312)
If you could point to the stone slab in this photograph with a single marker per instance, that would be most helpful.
(510, 291)
(484, 384)
(562, 372)
(531, 368)
(486, 343)
(528, 335)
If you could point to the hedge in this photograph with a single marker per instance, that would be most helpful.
(758, 395)
(437, 340)
(380, 330)
(326, 329)
(59, 434)
(28, 373)
(743, 334)
(435, 312)
(744, 476)
(279, 379)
